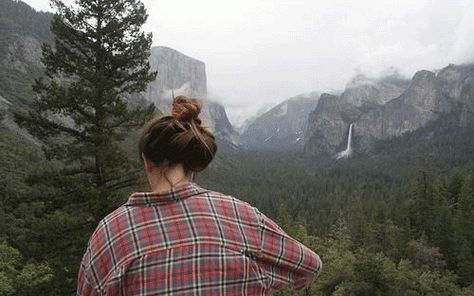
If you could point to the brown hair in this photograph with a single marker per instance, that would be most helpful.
(179, 138)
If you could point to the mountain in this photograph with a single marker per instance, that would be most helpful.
(24, 30)
(179, 74)
(176, 73)
(389, 107)
(328, 124)
(251, 119)
(456, 86)
(282, 127)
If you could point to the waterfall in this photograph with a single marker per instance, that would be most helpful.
(347, 153)
(349, 138)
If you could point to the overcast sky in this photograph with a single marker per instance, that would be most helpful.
(260, 52)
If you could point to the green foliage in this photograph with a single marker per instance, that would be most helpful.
(18, 278)
(100, 55)
(464, 225)
(378, 231)
(337, 256)
(348, 271)
(82, 115)
(358, 218)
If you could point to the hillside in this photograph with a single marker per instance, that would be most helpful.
(283, 126)
(23, 30)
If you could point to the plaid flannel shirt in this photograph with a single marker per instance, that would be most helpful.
(192, 241)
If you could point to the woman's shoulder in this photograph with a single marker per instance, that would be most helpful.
(217, 195)
(229, 202)
(109, 224)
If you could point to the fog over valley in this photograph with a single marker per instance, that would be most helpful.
(258, 53)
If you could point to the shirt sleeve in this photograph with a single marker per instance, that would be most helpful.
(84, 285)
(285, 260)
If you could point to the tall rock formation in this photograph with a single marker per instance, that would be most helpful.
(419, 104)
(283, 126)
(179, 74)
(456, 85)
(329, 123)
(176, 73)
(391, 110)
(364, 91)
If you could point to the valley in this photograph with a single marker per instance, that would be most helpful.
(378, 178)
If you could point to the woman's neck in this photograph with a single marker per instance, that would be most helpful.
(171, 177)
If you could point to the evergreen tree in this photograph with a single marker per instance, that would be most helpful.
(455, 183)
(83, 113)
(464, 232)
(18, 278)
(442, 235)
(100, 55)
(422, 200)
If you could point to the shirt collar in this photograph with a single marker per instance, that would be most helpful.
(174, 194)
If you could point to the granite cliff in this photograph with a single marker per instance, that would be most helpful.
(178, 74)
(389, 107)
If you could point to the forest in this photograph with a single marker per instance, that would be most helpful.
(378, 231)
(396, 221)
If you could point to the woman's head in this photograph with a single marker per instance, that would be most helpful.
(178, 139)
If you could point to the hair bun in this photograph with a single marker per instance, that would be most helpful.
(186, 109)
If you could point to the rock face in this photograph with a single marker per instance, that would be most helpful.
(327, 124)
(22, 54)
(389, 108)
(364, 91)
(179, 74)
(283, 126)
(417, 105)
(363, 98)
(22, 31)
(216, 117)
(176, 73)
(456, 86)
(414, 108)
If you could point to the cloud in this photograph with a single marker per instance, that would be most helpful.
(261, 52)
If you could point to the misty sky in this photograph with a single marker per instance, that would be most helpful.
(260, 52)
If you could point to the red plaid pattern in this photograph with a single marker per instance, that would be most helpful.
(192, 241)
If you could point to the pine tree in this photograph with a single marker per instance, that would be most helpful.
(100, 54)
(422, 198)
(83, 113)
(443, 227)
(464, 232)
(99, 57)
(455, 184)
